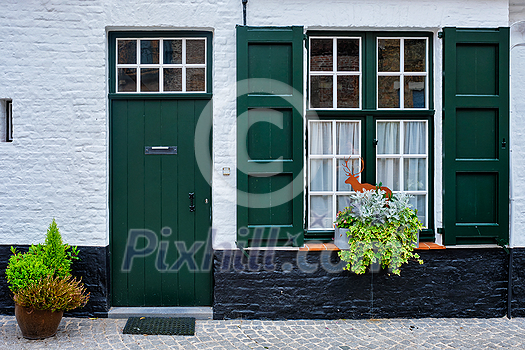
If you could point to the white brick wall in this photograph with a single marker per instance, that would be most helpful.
(54, 67)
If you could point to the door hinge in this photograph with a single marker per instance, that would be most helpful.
(192, 197)
(440, 35)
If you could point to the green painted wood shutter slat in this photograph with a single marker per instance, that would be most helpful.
(475, 129)
(270, 135)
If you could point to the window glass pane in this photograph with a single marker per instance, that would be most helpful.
(127, 79)
(172, 79)
(321, 175)
(195, 52)
(348, 91)
(195, 79)
(321, 55)
(343, 173)
(415, 138)
(322, 91)
(321, 138)
(415, 174)
(127, 51)
(149, 79)
(172, 51)
(321, 215)
(388, 173)
(388, 138)
(419, 203)
(342, 202)
(388, 55)
(414, 92)
(415, 55)
(388, 92)
(347, 138)
(149, 51)
(348, 54)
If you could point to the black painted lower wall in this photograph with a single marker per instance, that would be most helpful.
(93, 267)
(451, 283)
(312, 285)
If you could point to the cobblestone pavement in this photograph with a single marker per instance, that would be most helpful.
(83, 333)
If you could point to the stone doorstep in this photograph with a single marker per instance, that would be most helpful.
(331, 246)
(199, 312)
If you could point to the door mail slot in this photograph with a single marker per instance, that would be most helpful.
(160, 150)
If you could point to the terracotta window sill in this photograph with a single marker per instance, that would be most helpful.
(330, 246)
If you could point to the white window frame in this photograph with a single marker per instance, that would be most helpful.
(161, 65)
(334, 157)
(401, 74)
(402, 156)
(335, 73)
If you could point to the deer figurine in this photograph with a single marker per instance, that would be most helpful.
(356, 185)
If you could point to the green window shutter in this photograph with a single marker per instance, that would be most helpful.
(270, 135)
(476, 136)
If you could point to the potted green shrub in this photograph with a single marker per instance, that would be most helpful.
(42, 285)
(379, 229)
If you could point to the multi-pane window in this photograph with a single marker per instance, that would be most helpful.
(354, 81)
(334, 148)
(402, 73)
(171, 65)
(335, 73)
(402, 160)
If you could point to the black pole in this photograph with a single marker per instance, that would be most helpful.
(244, 2)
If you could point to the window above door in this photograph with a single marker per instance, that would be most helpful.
(175, 63)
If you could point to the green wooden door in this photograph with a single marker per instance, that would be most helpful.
(476, 136)
(270, 135)
(160, 252)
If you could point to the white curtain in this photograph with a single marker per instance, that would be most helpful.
(414, 168)
(321, 175)
(321, 138)
(388, 143)
(321, 215)
(347, 138)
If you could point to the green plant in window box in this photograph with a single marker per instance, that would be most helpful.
(379, 230)
(43, 286)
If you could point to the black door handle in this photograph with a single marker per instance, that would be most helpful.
(192, 197)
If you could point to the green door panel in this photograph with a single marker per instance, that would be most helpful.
(270, 135)
(159, 248)
(475, 136)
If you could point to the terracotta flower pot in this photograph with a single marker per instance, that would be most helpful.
(37, 324)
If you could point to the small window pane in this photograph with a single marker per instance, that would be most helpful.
(414, 92)
(321, 175)
(419, 203)
(195, 52)
(388, 138)
(342, 203)
(172, 79)
(389, 55)
(322, 91)
(415, 174)
(321, 55)
(321, 215)
(127, 51)
(415, 55)
(388, 91)
(195, 79)
(415, 138)
(348, 91)
(321, 138)
(149, 52)
(127, 79)
(388, 173)
(347, 138)
(149, 79)
(353, 168)
(172, 51)
(348, 54)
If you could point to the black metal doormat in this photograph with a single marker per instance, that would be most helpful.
(160, 326)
